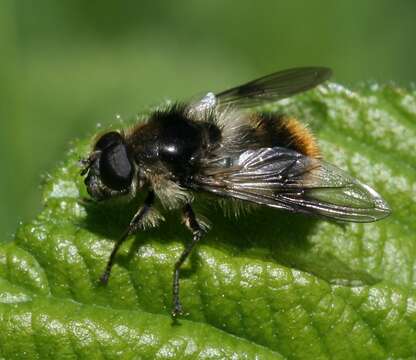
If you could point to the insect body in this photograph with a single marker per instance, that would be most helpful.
(217, 145)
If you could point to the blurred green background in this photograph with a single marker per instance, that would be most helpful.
(70, 64)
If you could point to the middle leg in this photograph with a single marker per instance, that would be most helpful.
(197, 232)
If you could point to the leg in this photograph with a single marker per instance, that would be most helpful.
(132, 228)
(197, 232)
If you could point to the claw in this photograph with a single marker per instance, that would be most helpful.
(177, 311)
(104, 278)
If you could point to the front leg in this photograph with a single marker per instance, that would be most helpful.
(134, 225)
(197, 233)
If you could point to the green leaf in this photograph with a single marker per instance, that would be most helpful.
(268, 285)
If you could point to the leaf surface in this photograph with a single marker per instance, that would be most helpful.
(268, 285)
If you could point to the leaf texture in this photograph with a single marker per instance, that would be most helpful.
(267, 285)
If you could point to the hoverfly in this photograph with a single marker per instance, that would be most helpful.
(218, 145)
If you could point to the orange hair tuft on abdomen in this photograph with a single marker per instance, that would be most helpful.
(284, 131)
(302, 138)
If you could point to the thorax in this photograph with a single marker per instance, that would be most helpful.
(173, 142)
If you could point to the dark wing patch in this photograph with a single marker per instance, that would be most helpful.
(274, 87)
(285, 179)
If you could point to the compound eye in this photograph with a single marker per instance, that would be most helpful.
(108, 139)
(115, 167)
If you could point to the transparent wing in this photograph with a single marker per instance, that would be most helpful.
(285, 179)
(274, 87)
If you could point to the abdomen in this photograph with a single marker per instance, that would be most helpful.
(272, 130)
